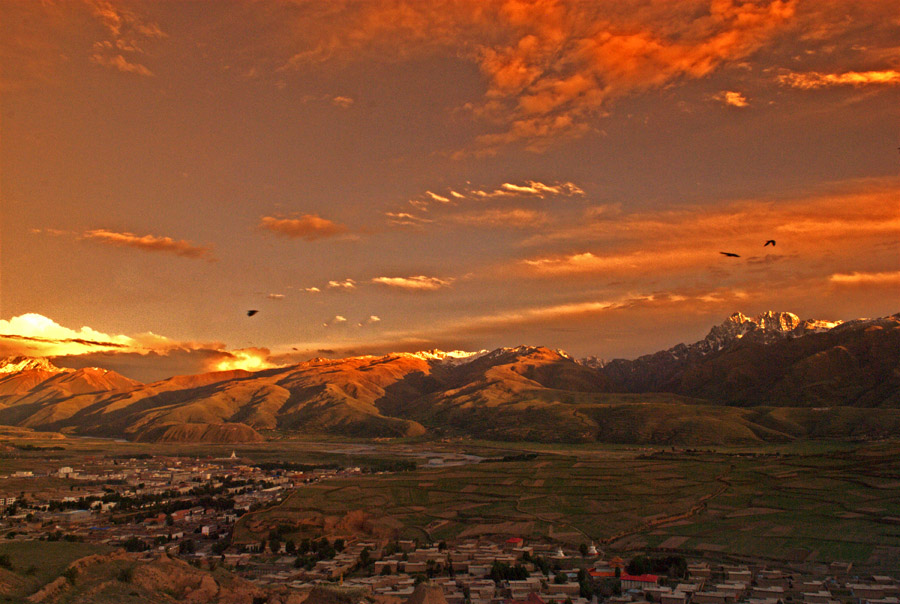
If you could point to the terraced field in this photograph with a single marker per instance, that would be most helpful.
(820, 503)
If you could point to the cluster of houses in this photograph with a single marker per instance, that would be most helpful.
(83, 502)
(462, 571)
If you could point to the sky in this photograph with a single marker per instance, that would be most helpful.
(400, 175)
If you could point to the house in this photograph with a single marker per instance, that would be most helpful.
(532, 598)
(638, 581)
(514, 542)
(699, 571)
(675, 597)
(712, 597)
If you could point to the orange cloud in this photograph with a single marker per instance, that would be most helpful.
(345, 284)
(121, 63)
(839, 226)
(149, 243)
(248, 359)
(732, 98)
(529, 189)
(812, 80)
(32, 334)
(857, 278)
(502, 218)
(307, 226)
(416, 283)
(551, 66)
(344, 102)
(335, 321)
(639, 261)
(128, 32)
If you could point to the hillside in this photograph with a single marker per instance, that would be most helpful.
(772, 377)
(776, 360)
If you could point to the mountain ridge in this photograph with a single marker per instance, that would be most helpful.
(728, 386)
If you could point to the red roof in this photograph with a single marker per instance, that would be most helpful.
(515, 540)
(642, 578)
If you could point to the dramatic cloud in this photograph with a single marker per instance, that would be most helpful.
(275, 296)
(813, 80)
(417, 283)
(312, 290)
(32, 334)
(149, 243)
(732, 98)
(551, 66)
(307, 226)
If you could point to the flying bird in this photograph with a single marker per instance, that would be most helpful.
(250, 313)
(730, 255)
(770, 242)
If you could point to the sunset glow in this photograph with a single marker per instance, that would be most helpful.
(400, 175)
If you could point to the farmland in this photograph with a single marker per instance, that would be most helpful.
(816, 502)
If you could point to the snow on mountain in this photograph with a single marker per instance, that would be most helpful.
(449, 357)
(19, 364)
(766, 328)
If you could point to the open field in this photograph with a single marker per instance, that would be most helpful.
(804, 501)
(824, 502)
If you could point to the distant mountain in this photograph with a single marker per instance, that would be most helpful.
(771, 377)
(776, 359)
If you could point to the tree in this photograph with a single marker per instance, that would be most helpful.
(583, 548)
(290, 547)
(560, 578)
(187, 546)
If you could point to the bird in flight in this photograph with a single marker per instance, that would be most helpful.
(250, 313)
(770, 242)
(730, 255)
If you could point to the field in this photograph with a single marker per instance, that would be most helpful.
(811, 502)
(806, 501)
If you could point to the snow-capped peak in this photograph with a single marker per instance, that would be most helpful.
(17, 364)
(767, 327)
(452, 357)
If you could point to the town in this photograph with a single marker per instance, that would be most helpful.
(188, 507)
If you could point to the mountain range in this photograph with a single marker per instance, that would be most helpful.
(768, 378)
